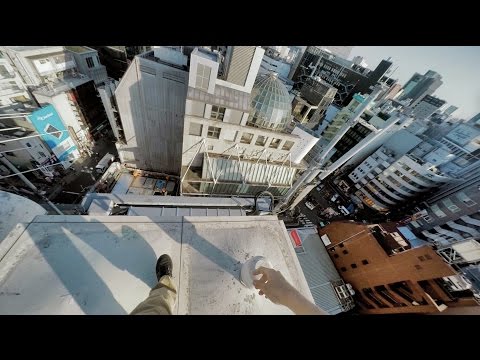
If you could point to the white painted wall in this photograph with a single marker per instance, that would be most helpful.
(252, 74)
(230, 131)
(106, 94)
(303, 145)
(196, 59)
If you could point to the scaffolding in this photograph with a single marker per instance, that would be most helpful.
(256, 170)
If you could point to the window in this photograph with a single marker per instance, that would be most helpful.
(421, 258)
(89, 62)
(275, 142)
(42, 154)
(436, 210)
(345, 252)
(261, 140)
(213, 132)
(465, 199)
(217, 113)
(203, 77)
(42, 61)
(9, 153)
(418, 267)
(195, 129)
(28, 144)
(210, 147)
(246, 138)
(335, 256)
(343, 269)
(427, 218)
(197, 108)
(288, 145)
(450, 205)
(341, 245)
(354, 266)
(365, 262)
(428, 257)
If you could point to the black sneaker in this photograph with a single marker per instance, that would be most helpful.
(164, 266)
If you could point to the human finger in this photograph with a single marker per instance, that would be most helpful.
(260, 283)
(261, 271)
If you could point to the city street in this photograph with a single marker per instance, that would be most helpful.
(83, 174)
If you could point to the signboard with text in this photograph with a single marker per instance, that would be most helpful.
(48, 123)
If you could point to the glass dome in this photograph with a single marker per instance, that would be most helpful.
(271, 105)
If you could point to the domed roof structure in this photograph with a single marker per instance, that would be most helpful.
(271, 105)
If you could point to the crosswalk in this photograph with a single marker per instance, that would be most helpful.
(304, 221)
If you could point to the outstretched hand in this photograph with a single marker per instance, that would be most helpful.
(273, 285)
(277, 289)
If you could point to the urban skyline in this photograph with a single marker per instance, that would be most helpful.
(360, 186)
(456, 64)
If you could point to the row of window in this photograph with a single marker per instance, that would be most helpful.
(354, 266)
(448, 203)
(213, 132)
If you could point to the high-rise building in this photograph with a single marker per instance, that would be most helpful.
(12, 88)
(151, 102)
(88, 63)
(427, 106)
(361, 134)
(238, 140)
(450, 214)
(234, 136)
(398, 171)
(24, 154)
(475, 121)
(342, 51)
(420, 85)
(391, 274)
(53, 77)
(348, 77)
(450, 110)
(311, 104)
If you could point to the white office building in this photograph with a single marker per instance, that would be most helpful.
(238, 140)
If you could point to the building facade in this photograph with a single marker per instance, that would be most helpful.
(25, 154)
(389, 274)
(238, 140)
(421, 85)
(151, 102)
(12, 87)
(347, 77)
(88, 63)
(310, 106)
(427, 106)
(399, 174)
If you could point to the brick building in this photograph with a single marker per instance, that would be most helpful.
(389, 274)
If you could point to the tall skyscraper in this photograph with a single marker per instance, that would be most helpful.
(427, 106)
(420, 85)
(343, 51)
(151, 101)
(450, 110)
(214, 122)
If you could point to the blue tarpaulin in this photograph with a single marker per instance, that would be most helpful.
(412, 239)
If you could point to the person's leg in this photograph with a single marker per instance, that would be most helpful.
(161, 300)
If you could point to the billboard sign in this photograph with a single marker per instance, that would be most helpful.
(48, 123)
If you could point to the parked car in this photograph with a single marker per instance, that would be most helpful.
(334, 197)
(323, 223)
(104, 163)
(309, 205)
(344, 210)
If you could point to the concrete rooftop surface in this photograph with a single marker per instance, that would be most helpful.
(106, 264)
